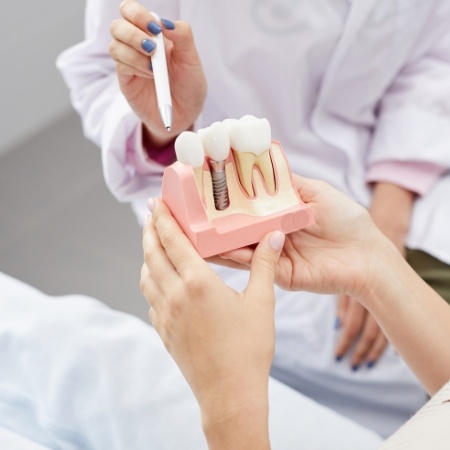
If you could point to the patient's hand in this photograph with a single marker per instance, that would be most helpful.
(335, 255)
(222, 340)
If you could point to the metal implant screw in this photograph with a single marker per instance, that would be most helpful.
(219, 184)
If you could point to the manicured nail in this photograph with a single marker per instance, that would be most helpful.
(337, 324)
(150, 66)
(151, 203)
(339, 358)
(276, 241)
(154, 28)
(370, 364)
(148, 45)
(168, 24)
(355, 367)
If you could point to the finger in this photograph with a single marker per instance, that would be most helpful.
(177, 247)
(242, 256)
(365, 341)
(224, 262)
(150, 289)
(163, 273)
(351, 327)
(122, 53)
(377, 349)
(341, 309)
(263, 265)
(141, 17)
(133, 37)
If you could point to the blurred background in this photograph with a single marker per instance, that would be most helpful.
(60, 228)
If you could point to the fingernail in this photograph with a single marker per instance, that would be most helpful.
(355, 367)
(168, 24)
(276, 241)
(151, 203)
(337, 324)
(339, 358)
(150, 66)
(148, 45)
(154, 28)
(370, 364)
(147, 219)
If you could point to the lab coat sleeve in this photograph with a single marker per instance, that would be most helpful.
(107, 118)
(427, 429)
(413, 129)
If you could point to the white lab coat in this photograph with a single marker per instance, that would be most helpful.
(384, 96)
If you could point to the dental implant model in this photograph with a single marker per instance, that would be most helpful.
(231, 186)
(216, 144)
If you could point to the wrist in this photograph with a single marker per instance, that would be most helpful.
(379, 276)
(241, 426)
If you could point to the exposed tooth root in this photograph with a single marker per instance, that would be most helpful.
(264, 163)
(245, 163)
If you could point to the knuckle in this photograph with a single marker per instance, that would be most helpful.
(112, 48)
(113, 27)
(124, 7)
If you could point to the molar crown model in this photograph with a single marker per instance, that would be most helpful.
(231, 186)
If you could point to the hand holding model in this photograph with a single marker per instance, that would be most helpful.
(222, 340)
(132, 49)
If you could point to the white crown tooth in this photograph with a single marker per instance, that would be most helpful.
(250, 135)
(189, 149)
(251, 138)
(216, 141)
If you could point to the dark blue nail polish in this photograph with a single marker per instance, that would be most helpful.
(168, 24)
(154, 28)
(339, 358)
(148, 45)
(337, 324)
(355, 368)
(370, 364)
(150, 66)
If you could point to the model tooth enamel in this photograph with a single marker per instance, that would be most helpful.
(251, 140)
(216, 143)
(189, 151)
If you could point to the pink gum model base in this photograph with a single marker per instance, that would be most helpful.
(180, 194)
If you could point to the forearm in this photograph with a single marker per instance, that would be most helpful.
(414, 318)
(391, 210)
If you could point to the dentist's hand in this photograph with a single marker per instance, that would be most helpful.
(132, 47)
(222, 340)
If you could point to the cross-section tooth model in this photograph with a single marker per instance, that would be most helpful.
(226, 199)
(251, 141)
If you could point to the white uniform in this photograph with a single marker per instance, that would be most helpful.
(356, 91)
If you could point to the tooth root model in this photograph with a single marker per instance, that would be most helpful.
(251, 139)
(189, 151)
(216, 144)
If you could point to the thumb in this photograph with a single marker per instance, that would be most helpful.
(264, 262)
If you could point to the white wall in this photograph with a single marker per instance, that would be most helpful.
(32, 93)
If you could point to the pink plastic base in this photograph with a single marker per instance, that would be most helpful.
(180, 193)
